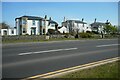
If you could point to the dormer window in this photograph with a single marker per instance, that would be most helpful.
(33, 22)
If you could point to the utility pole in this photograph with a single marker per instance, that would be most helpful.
(45, 24)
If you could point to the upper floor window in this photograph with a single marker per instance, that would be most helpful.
(33, 22)
(24, 21)
(52, 25)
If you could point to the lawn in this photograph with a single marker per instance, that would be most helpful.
(109, 70)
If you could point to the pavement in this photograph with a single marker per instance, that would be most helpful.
(30, 59)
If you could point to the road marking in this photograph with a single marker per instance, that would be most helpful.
(107, 45)
(56, 74)
(55, 50)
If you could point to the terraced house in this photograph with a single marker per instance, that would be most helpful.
(32, 25)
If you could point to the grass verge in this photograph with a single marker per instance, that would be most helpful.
(21, 41)
(109, 70)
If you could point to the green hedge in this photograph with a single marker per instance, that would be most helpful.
(85, 35)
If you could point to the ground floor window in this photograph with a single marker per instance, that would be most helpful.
(5, 32)
(12, 31)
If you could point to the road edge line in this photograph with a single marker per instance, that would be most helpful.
(73, 69)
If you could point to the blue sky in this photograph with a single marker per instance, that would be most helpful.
(57, 10)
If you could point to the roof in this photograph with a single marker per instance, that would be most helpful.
(37, 18)
(31, 18)
(97, 24)
(53, 22)
(76, 21)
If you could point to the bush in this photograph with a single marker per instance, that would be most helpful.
(66, 35)
(85, 35)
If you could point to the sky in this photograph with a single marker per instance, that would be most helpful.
(58, 10)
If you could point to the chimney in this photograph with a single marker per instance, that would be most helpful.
(107, 21)
(64, 19)
(45, 16)
(50, 18)
(82, 19)
(95, 20)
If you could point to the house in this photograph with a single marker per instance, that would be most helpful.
(6, 30)
(10, 32)
(62, 29)
(69, 26)
(32, 25)
(98, 27)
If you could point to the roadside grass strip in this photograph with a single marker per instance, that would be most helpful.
(56, 74)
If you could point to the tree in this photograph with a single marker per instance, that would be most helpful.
(110, 29)
(4, 25)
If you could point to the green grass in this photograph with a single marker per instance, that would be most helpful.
(104, 71)
(62, 39)
(18, 41)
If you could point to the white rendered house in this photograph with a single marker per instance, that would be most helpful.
(32, 25)
(74, 25)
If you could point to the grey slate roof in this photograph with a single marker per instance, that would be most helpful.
(77, 21)
(53, 22)
(37, 18)
(31, 18)
(97, 24)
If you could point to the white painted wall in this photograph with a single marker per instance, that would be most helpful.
(9, 32)
(30, 25)
(63, 29)
(18, 26)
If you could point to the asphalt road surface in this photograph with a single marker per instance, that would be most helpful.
(30, 59)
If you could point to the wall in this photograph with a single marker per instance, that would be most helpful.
(63, 29)
(37, 25)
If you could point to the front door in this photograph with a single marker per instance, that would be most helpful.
(33, 31)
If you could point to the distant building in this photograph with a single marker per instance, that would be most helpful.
(33, 25)
(69, 26)
(98, 27)
(9, 31)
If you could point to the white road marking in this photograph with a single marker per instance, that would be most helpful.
(47, 51)
(107, 45)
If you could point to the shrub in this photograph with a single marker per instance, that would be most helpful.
(85, 35)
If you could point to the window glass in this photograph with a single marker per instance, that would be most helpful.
(52, 25)
(12, 31)
(33, 22)
(24, 21)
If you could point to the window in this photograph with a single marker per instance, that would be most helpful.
(24, 21)
(24, 30)
(33, 22)
(12, 31)
(52, 25)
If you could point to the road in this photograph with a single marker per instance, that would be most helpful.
(30, 59)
